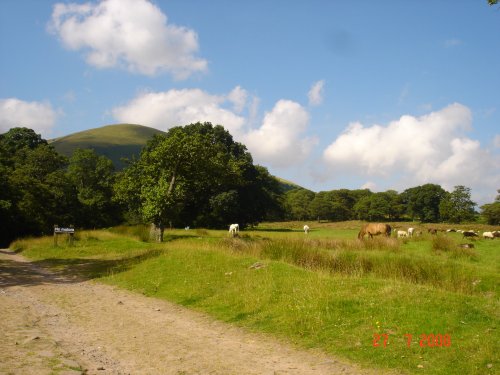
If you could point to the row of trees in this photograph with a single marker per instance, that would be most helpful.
(195, 175)
(426, 203)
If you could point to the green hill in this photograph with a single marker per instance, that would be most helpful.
(113, 141)
(117, 142)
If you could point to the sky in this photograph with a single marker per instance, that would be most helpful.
(328, 94)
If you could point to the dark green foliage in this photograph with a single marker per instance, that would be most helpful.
(297, 204)
(35, 192)
(93, 177)
(197, 175)
(491, 211)
(457, 206)
(422, 202)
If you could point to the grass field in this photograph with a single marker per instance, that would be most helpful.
(325, 290)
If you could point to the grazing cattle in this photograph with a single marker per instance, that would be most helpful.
(450, 230)
(488, 235)
(432, 231)
(402, 233)
(496, 233)
(411, 231)
(470, 233)
(374, 229)
(306, 229)
(234, 229)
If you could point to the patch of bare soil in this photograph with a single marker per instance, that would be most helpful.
(53, 324)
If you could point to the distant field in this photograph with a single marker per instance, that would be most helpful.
(325, 290)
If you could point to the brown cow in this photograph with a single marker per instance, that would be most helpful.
(374, 229)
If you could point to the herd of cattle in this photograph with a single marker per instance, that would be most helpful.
(373, 229)
(466, 233)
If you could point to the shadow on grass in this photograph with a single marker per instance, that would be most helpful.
(16, 272)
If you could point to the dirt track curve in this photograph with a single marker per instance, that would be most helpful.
(50, 324)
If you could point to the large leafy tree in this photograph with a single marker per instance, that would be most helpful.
(198, 175)
(457, 206)
(93, 177)
(422, 202)
(35, 192)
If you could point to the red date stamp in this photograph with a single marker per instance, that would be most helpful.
(431, 340)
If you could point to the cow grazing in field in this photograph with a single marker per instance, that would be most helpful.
(432, 231)
(402, 234)
(488, 235)
(306, 229)
(496, 233)
(470, 233)
(374, 229)
(234, 229)
(411, 231)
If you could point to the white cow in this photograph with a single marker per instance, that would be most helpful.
(410, 231)
(233, 229)
(402, 233)
(306, 229)
(489, 235)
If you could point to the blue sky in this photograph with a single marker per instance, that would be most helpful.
(328, 94)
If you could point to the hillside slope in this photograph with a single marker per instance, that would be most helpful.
(119, 141)
(113, 141)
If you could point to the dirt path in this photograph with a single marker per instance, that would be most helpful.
(51, 324)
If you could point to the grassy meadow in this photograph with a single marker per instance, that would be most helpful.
(323, 290)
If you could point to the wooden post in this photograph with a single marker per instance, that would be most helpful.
(71, 235)
(55, 234)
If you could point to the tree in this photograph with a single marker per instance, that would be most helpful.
(93, 177)
(18, 138)
(297, 204)
(491, 211)
(457, 206)
(197, 175)
(422, 202)
(35, 192)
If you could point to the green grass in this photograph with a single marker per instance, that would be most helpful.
(327, 290)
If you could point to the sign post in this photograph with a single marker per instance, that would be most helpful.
(70, 231)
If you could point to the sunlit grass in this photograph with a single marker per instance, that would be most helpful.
(325, 290)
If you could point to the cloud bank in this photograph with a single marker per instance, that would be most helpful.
(40, 117)
(278, 140)
(133, 34)
(431, 148)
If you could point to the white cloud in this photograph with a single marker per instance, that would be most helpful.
(163, 110)
(130, 33)
(239, 98)
(279, 141)
(432, 148)
(315, 94)
(34, 115)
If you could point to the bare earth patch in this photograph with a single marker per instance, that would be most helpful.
(51, 324)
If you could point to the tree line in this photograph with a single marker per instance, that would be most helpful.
(194, 175)
(428, 203)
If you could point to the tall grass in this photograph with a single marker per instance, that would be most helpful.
(380, 257)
